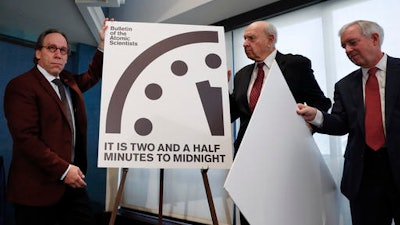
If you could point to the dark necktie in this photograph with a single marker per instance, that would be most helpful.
(64, 100)
(67, 109)
(256, 89)
(374, 135)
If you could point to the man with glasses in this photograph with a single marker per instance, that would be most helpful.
(46, 116)
(367, 108)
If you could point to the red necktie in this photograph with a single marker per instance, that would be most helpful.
(374, 134)
(256, 90)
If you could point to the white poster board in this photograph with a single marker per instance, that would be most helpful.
(278, 175)
(164, 98)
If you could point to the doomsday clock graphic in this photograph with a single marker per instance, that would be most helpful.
(164, 99)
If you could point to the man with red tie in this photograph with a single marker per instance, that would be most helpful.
(259, 45)
(46, 116)
(367, 108)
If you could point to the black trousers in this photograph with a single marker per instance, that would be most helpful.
(73, 209)
(378, 202)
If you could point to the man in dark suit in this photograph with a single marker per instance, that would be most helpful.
(46, 177)
(259, 45)
(371, 173)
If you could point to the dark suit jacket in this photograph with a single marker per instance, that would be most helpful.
(41, 134)
(299, 76)
(348, 117)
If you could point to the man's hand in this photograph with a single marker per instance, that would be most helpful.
(103, 32)
(74, 177)
(307, 112)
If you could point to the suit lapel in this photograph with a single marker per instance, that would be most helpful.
(49, 89)
(242, 84)
(392, 87)
(70, 83)
(47, 86)
(279, 59)
(78, 104)
(247, 78)
(357, 94)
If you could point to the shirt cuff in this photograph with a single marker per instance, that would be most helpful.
(318, 120)
(65, 173)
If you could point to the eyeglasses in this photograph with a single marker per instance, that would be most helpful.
(53, 48)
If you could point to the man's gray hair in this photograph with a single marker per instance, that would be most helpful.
(271, 29)
(367, 28)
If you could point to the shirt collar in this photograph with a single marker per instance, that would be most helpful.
(381, 65)
(47, 75)
(270, 59)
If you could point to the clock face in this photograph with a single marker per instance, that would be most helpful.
(164, 97)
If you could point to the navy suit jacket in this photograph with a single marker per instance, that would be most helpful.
(348, 117)
(299, 76)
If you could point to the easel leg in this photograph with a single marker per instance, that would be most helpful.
(119, 196)
(161, 197)
(209, 196)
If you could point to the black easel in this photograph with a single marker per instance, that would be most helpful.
(119, 195)
(161, 196)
